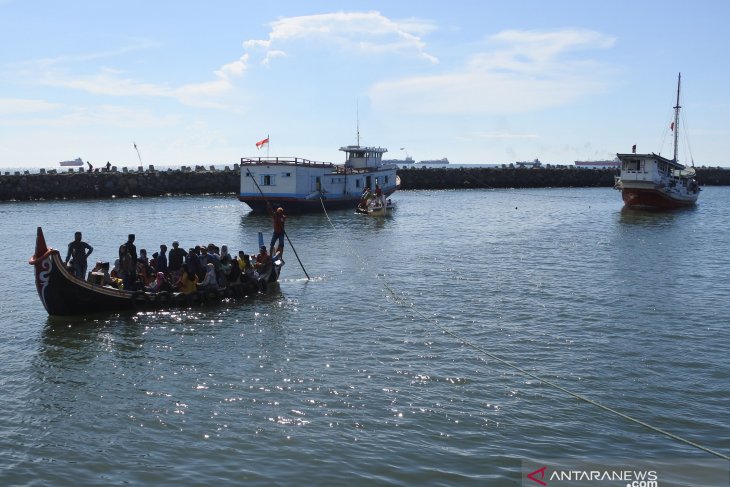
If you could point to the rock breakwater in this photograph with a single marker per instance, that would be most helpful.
(102, 183)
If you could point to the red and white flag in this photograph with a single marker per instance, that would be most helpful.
(262, 143)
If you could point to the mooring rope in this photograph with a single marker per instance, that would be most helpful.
(402, 301)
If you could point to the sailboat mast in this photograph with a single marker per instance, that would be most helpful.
(676, 117)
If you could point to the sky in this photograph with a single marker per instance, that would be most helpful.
(478, 82)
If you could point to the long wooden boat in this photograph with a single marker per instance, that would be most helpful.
(63, 294)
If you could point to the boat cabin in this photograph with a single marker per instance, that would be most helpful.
(363, 157)
(649, 168)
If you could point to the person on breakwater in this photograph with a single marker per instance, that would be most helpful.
(78, 251)
(279, 218)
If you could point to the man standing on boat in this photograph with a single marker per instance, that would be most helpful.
(279, 218)
(78, 251)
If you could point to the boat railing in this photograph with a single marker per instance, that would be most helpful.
(297, 161)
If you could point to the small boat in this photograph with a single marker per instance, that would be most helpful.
(300, 185)
(75, 162)
(376, 208)
(653, 181)
(63, 294)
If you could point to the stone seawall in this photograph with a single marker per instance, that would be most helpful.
(20, 186)
(550, 177)
(113, 183)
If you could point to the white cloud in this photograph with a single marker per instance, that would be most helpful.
(16, 106)
(366, 32)
(521, 71)
(108, 116)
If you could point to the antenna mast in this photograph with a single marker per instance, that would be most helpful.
(357, 111)
(676, 117)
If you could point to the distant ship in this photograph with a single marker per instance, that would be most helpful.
(75, 162)
(596, 164)
(407, 160)
(434, 161)
(534, 164)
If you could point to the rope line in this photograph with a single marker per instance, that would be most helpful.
(401, 301)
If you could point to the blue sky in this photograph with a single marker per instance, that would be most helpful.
(483, 82)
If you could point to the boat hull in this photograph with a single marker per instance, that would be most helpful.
(259, 204)
(653, 198)
(62, 294)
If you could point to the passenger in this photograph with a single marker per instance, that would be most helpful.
(128, 269)
(162, 260)
(144, 270)
(234, 274)
(247, 270)
(78, 250)
(279, 219)
(209, 283)
(379, 197)
(176, 258)
(263, 261)
(365, 198)
(116, 271)
(193, 262)
(160, 284)
(106, 278)
(203, 258)
(131, 248)
(224, 251)
(187, 284)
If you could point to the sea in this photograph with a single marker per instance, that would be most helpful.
(470, 338)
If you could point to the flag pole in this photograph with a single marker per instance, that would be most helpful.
(268, 144)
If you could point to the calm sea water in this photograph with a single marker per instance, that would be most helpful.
(383, 368)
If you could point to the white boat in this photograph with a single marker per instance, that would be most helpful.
(653, 181)
(301, 185)
(75, 162)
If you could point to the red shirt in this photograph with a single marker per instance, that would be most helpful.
(279, 222)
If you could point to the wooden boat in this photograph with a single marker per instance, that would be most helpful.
(374, 208)
(653, 181)
(63, 294)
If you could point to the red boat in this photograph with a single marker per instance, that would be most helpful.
(63, 294)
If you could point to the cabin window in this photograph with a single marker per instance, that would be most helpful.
(287, 174)
(633, 165)
(357, 183)
(267, 180)
(385, 179)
